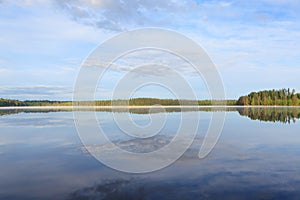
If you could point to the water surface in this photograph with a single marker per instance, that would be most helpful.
(256, 157)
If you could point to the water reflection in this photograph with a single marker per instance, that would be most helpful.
(201, 188)
(42, 158)
(268, 114)
(36, 110)
(108, 189)
(271, 114)
(9, 112)
(132, 110)
(136, 145)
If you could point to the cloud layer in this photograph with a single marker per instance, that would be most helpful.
(36, 92)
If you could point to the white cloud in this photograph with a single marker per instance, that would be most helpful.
(4, 71)
(37, 92)
(117, 15)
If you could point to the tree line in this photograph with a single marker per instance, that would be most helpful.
(282, 97)
(13, 102)
(130, 102)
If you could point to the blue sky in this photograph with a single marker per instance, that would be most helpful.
(254, 44)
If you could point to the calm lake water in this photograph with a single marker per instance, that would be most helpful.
(256, 157)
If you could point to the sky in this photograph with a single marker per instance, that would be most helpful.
(254, 44)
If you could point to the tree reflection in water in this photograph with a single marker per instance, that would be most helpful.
(272, 114)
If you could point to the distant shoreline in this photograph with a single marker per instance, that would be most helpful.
(266, 98)
(138, 107)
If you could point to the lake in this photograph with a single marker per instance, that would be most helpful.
(257, 157)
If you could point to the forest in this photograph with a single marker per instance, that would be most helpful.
(13, 102)
(130, 102)
(282, 97)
